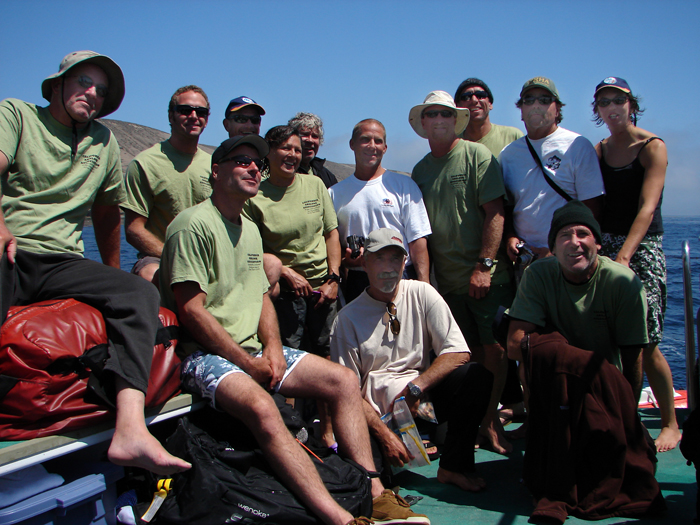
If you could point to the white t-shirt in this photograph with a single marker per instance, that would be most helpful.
(384, 363)
(391, 200)
(571, 162)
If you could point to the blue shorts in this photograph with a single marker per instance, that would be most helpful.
(201, 373)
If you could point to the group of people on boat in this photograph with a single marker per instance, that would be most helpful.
(254, 246)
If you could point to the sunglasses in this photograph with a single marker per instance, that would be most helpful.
(394, 323)
(545, 100)
(243, 160)
(242, 119)
(467, 95)
(444, 113)
(605, 102)
(86, 82)
(186, 110)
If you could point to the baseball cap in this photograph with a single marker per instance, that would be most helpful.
(382, 238)
(240, 103)
(613, 82)
(541, 82)
(228, 145)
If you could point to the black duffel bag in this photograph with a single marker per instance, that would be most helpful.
(236, 485)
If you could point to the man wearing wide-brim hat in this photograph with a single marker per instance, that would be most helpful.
(463, 192)
(57, 165)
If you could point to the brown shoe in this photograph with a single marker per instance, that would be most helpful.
(392, 508)
(360, 521)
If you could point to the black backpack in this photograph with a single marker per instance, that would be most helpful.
(230, 482)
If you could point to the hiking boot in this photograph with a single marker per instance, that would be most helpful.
(392, 508)
(360, 521)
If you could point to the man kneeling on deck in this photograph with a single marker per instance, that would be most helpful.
(57, 165)
(578, 324)
(212, 275)
(386, 337)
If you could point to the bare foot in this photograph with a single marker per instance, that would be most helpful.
(469, 482)
(668, 438)
(491, 439)
(144, 451)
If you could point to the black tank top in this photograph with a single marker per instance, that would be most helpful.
(623, 187)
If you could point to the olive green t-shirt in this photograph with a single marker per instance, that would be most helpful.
(293, 222)
(226, 261)
(455, 187)
(46, 195)
(162, 181)
(601, 315)
(499, 137)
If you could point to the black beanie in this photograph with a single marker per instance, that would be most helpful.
(473, 82)
(573, 212)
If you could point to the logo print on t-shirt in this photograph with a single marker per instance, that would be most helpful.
(387, 202)
(312, 206)
(254, 261)
(553, 162)
(458, 181)
(90, 161)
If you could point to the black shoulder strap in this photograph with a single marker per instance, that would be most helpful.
(549, 180)
(647, 142)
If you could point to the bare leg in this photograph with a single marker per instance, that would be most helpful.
(273, 270)
(239, 395)
(150, 273)
(493, 357)
(470, 482)
(661, 382)
(132, 444)
(336, 385)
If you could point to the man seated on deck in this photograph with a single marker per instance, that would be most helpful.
(386, 337)
(166, 179)
(57, 165)
(212, 276)
(587, 453)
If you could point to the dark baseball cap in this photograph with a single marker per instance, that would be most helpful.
(240, 103)
(229, 144)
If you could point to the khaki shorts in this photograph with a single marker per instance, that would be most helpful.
(475, 316)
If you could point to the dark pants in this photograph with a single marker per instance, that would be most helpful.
(304, 327)
(461, 400)
(128, 303)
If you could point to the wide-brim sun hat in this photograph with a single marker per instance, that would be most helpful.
(116, 90)
(437, 98)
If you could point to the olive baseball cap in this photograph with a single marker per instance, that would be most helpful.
(116, 90)
(541, 82)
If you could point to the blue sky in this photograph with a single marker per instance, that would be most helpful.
(357, 59)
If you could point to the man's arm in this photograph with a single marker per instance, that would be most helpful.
(420, 259)
(139, 237)
(438, 370)
(516, 331)
(393, 447)
(631, 357)
(491, 236)
(106, 221)
(8, 243)
(269, 335)
(211, 335)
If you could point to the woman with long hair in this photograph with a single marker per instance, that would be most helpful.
(633, 162)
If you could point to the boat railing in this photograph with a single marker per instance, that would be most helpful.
(690, 323)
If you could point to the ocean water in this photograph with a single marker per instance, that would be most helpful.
(677, 230)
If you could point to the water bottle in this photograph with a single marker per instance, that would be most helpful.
(406, 427)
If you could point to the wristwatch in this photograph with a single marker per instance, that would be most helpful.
(485, 261)
(414, 390)
(332, 277)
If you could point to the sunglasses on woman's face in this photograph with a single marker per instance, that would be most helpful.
(605, 102)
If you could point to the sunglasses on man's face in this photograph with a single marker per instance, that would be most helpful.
(86, 82)
(243, 160)
(545, 100)
(444, 113)
(394, 323)
(186, 110)
(605, 102)
(242, 119)
(481, 95)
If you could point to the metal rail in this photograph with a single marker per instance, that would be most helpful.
(691, 379)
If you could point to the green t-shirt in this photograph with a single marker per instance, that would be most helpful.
(226, 261)
(45, 196)
(162, 181)
(455, 187)
(499, 137)
(293, 222)
(603, 314)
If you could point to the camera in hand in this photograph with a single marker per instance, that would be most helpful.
(525, 255)
(355, 242)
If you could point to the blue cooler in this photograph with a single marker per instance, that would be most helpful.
(80, 502)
